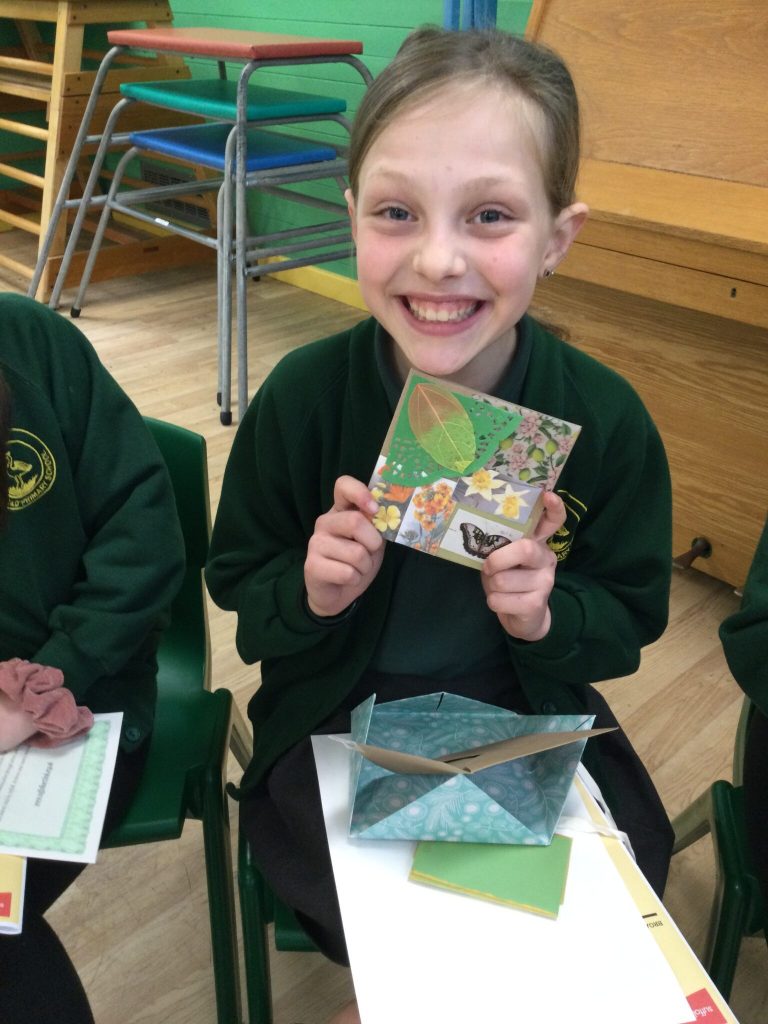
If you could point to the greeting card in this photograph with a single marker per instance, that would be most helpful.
(462, 473)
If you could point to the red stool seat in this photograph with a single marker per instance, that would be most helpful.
(231, 44)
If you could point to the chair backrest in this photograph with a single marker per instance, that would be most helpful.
(747, 708)
(180, 738)
(184, 653)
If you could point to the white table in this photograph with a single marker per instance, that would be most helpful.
(419, 954)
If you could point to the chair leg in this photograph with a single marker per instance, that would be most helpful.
(693, 823)
(727, 925)
(254, 917)
(208, 802)
(221, 900)
(731, 905)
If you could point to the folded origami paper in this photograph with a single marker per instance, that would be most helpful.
(448, 768)
(462, 473)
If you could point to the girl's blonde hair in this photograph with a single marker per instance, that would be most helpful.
(432, 57)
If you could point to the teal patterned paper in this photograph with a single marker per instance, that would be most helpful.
(517, 802)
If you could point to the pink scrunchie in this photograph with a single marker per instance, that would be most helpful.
(39, 690)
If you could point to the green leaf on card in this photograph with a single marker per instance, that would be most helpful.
(442, 426)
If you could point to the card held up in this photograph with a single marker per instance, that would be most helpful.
(462, 473)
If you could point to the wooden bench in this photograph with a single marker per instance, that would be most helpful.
(668, 281)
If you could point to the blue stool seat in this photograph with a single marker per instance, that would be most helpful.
(204, 144)
(217, 98)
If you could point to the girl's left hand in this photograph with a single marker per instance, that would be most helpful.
(519, 577)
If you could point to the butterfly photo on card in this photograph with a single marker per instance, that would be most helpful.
(479, 543)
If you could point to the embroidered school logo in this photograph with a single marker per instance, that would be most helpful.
(562, 540)
(31, 469)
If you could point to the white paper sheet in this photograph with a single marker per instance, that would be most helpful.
(53, 802)
(421, 954)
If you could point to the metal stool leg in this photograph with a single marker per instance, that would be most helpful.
(98, 238)
(71, 169)
(83, 203)
(241, 238)
(225, 285)
(219, 294)
(224, 341)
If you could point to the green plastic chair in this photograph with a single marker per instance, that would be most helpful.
(737, 908)
(259, 908)
(185, 772)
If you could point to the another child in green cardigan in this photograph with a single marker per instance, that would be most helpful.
(91, 556)
(744, 636)
(463, 162)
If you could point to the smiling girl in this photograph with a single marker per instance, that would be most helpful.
(463, 162)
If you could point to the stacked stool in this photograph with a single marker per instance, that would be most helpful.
(234, 145)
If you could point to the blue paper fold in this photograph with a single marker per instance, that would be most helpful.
(518, 802)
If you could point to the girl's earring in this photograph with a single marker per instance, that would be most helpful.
(547, 273)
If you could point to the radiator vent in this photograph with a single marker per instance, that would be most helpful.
(173, 209)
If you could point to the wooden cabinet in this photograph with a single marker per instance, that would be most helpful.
(668, 281)
(44, 87)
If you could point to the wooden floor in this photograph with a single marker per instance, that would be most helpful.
(136, 923)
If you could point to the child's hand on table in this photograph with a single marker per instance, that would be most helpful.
(344, 552)
(518, 578)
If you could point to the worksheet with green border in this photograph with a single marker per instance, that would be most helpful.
(53, 801)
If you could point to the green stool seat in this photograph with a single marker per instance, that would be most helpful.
(217, 98)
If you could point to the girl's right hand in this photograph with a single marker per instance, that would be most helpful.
(345, 551)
